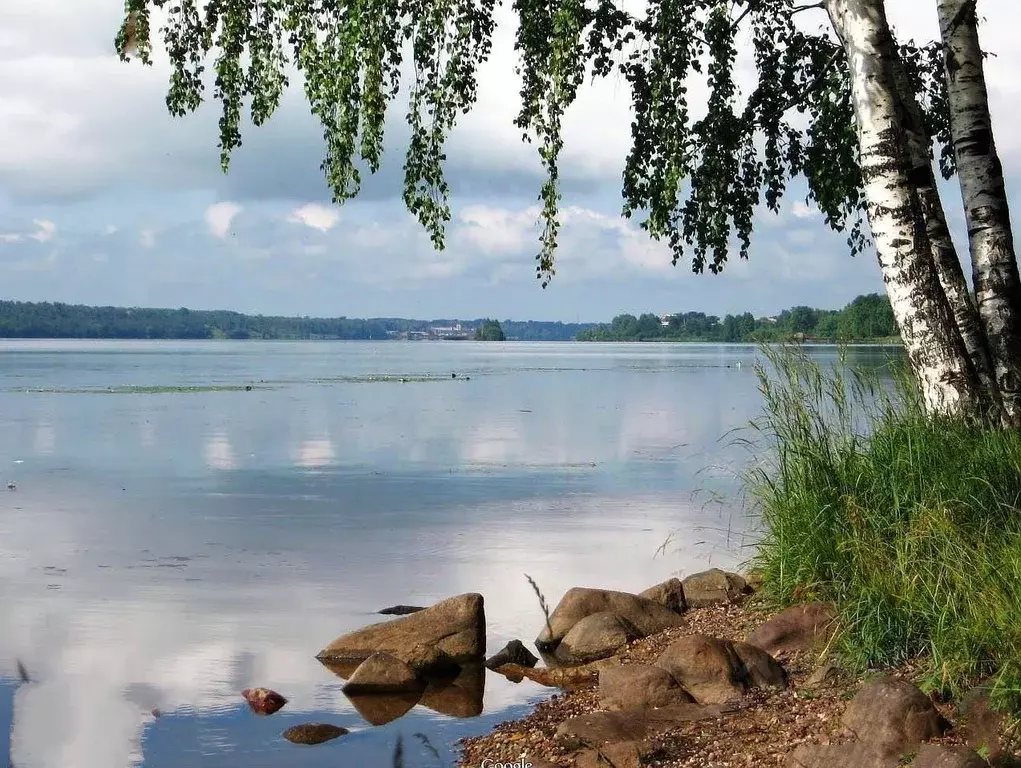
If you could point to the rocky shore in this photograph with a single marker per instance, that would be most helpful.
(699, 673)
(732, 684)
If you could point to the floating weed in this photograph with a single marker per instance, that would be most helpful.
(146, 390)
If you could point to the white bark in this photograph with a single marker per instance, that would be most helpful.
(927, 327)
(994, 266)
(941, 243)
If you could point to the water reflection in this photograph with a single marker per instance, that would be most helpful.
(136, 580)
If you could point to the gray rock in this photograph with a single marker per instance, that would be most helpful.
(939, 756)
(313, 733)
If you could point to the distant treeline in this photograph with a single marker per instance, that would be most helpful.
(867, 318)
(28, 320)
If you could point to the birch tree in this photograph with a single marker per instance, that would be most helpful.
(994, 265)
(872, 105)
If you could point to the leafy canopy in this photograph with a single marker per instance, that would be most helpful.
(695, 182)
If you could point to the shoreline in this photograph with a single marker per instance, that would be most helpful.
(764, 727)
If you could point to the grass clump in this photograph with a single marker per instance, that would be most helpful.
(910, 524)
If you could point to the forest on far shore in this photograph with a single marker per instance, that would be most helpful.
(867, 318)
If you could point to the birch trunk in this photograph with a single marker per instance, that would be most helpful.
(994, 266)
(938, 358)
(941, 243)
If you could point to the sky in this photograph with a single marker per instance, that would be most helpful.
(106, 199)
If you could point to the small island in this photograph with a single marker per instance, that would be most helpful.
(490, 330)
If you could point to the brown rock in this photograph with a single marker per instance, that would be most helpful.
(597, 636)
(514, 652)
(455, 627)
(383, 673)
(798, 628)
(854, 755)
(380, 709)
(461, 696)
(626, 754)
(639, 686)
(939, 756)
(598, 728)
(669, 594)
(313, 733)
(713, 587)
(754, 578)
(825, 675)
(647, 616)
(566, 678)
(981, 723)
(893, 715)
(263, 701)
(714, 671)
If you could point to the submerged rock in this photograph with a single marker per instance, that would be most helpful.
(400, 610)
(313, 733)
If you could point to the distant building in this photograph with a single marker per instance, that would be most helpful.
(664, 320)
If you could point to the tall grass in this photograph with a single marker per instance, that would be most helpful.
(910, 524)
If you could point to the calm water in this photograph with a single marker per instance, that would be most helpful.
(166, 548)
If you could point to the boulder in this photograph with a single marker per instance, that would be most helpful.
(566, 678)
(639, 686)
(597, 636)
(626, 754)
(713, 587)
(598, 728)
(853, 755)
(383, 673)
(798, 628)
(714, 671)
(263, 701)
(313, 733)
(981, 723)
(647, 616)
(669, 594)
(894, 716)
(454, 628)
(514, 652)
(939, 756)
(461, 696)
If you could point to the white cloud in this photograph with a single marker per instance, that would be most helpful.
(315, 216)
(219, 217)
(801, 210)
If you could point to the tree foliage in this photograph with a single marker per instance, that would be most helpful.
(695, 183)
(867, 318)
(490, 330)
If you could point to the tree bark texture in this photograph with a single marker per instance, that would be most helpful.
(941, 364)
(994, 266)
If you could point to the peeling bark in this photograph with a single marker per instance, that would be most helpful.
(994, 266)
(944, 252)
(938, 357)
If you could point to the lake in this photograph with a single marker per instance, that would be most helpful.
(194, 518)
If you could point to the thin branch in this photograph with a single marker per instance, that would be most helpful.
(813, 6)
(815, 84)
